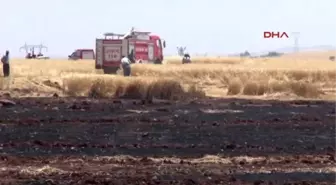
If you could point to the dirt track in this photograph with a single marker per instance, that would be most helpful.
(83, 141)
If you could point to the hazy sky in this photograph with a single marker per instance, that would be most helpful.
(203, 26)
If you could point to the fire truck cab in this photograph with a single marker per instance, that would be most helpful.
(140, 47)
(82, 54)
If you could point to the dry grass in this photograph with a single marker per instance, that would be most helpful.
(277, 77)
(206, 60)
(135, 88)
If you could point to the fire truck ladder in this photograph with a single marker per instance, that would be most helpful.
(113, 36)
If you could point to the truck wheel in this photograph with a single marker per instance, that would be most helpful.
(158, 61)
(99, 67)
(110, 70)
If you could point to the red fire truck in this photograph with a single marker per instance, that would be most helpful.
(141, 46)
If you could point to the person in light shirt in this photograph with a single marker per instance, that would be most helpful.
(126, 65)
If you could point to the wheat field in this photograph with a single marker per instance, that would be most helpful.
(273, 78)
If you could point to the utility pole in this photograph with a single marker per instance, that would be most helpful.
(296, 41)
(181, 50)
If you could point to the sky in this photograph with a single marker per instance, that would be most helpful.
(216, 27)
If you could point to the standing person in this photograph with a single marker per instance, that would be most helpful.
(126, 66)
(5, 64)
(131, 57)
(186, 59)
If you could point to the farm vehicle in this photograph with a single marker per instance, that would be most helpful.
(30, 51)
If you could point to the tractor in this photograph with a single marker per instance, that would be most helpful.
(30, 51)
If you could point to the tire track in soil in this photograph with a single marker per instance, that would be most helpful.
(293, 141)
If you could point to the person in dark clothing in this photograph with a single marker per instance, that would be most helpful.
(131, 57)
(186, 59)
(126, 66)
(5, 64)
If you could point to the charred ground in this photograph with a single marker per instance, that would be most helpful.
(212, 141)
